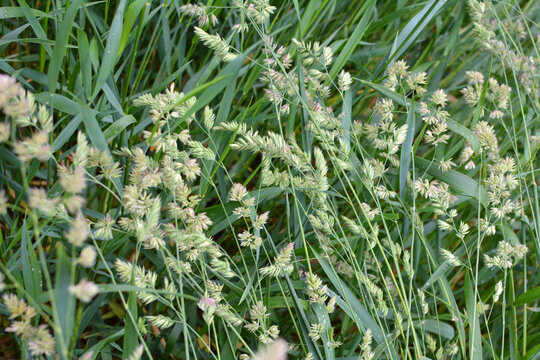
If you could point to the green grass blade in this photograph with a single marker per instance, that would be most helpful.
(60, 44)
(475, 338)
(118, 126)
(112, 48)
(407, 151)
(527, 297)
(456, 180)
(354, 39)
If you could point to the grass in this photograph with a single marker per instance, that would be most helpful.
(234, 192)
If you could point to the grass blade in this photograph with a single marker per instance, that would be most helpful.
(60, 44)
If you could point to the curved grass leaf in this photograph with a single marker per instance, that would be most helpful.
(118, 126)
(456, 180)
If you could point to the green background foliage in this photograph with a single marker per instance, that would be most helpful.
(88, 61)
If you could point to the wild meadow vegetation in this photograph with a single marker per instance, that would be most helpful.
(265, 180)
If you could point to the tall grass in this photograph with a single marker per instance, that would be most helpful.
(263, 179)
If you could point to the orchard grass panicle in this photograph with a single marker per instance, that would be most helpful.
(264, 180)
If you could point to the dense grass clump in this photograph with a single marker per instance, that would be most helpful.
(269, 179)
